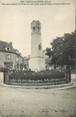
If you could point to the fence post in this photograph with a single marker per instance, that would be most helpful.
(68, 75)
(6, 76)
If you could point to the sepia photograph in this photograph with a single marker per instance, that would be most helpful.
(37, 58)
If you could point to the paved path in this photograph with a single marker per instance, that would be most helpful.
(16, 102)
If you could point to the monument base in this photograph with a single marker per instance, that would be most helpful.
(37, 64)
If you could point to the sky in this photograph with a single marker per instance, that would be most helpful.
(15, 23)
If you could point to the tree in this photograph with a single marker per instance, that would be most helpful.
(63, 50)
(48, 52)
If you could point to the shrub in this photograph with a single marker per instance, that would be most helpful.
(2, 69)
(42, 75)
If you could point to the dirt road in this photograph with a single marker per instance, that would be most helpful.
(18, 102)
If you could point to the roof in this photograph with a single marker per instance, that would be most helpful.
(4, 45)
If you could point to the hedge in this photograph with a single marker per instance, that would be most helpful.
(31, 75)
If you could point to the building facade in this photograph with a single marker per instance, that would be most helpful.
(9, 57)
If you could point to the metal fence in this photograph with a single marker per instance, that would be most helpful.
(25, 82)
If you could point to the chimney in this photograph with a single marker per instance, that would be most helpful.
(10, 43)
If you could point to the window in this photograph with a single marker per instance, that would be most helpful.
(17, 59)
(8, 57)
(17, 65)
(39, 46)
(7, 49)
(33, 28)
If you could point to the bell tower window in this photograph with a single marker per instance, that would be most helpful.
(34, 28)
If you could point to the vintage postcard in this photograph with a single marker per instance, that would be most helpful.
(37, 58)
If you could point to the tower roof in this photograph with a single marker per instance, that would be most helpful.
(35, 23)
(7, 47)
(4, 44)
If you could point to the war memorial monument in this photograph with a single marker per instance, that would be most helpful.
(37, 75)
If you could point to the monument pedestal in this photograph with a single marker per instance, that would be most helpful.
(37, 64)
